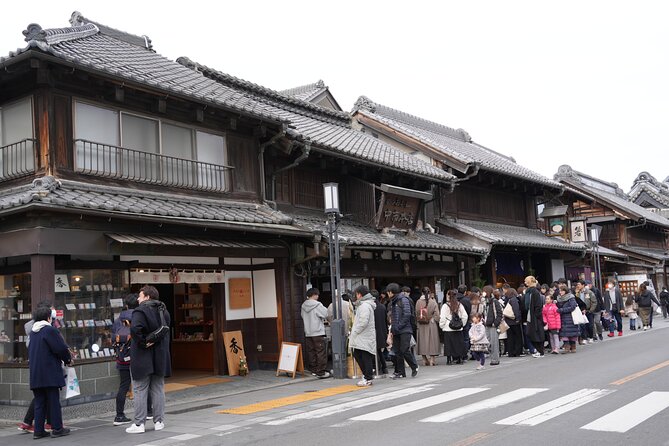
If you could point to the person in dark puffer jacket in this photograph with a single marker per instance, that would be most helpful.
(402, 331)
(569, 331)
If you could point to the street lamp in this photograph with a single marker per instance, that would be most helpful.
(331, 195)
(595, 232)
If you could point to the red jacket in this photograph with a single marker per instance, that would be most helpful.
(551, 316)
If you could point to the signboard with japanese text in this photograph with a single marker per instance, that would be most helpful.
(240, 293)
(234, 350)
(578, 234)
(397, 212)
(61, 284)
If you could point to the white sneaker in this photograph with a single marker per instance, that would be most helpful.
(364, 383)
(481, 367)
(159, 425)
(135, 429)
(645, 328)
(590, 341)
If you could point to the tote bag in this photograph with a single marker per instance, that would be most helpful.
(508, 312)
(578, 317)
(71, 383)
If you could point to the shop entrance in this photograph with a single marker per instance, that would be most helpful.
(192, 310)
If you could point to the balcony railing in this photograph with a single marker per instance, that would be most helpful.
(17, 160)
(97, 159)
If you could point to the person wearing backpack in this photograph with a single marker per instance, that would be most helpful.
(401, 328)
(150, 353)
(452, 321)
(427, 315)
(121, 338)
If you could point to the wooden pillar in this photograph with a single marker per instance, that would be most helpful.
(43, 270)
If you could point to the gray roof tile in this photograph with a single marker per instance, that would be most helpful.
(506, 235)
(456, 144)
(306, 92)
(657, 254)
(357, 234)
(50, 192)
(646, 183)
(608, 193)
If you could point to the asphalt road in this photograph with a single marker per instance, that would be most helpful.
(614, 392)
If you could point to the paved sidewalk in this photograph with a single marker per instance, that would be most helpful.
(257, 380)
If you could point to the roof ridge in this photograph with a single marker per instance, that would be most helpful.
(112, 190)
(364, 103)
(35, 35)
(77, 19)
(565, 171)
(303, 88)
(342, 118)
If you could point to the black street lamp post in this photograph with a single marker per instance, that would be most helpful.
(331, 194)
(595, 232)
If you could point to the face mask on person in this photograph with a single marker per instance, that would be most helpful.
(53, 314)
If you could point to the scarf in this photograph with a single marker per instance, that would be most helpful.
(565, 298)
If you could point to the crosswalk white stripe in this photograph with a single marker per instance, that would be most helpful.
(628, 416)
(490, 403)
(418, 404)
(545, 412)
(351, 405)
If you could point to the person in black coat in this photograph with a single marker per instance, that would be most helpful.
(150, 363)
(381, 326)
(466, 302)
(535, 323)
(514, 340)
(47, 352)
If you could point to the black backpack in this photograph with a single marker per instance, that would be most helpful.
(456, 322)
(122, 343)
(159, 333)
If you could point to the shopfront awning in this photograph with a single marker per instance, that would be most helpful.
(162, 240)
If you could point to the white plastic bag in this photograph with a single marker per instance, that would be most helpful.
(71, 383)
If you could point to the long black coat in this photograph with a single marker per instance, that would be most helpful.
(46, 351)
(156, 359)
(381, 325)
(535, 326)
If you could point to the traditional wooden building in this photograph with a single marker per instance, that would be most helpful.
(650, 193)
(119, 168)
(494, 203)
(635, 239)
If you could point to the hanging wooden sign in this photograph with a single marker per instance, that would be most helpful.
(290, 359)
(234, 350)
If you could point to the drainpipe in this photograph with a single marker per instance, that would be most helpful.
(306, 149)
(261, 162)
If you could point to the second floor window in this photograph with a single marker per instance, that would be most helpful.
(129, 146)
(17, 155)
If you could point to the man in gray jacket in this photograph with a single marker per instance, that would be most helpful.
(313, 315)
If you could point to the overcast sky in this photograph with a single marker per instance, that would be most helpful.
(583, 83)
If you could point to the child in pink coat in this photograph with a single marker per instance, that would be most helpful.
(552, 323)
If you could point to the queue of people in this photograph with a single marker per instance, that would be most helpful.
(479, 324)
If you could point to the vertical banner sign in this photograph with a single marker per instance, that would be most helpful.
(240, 293)
(234, 350)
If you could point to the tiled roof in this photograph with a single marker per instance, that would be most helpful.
(604, 251)
(658, 254)
(68, 195)
(102, 49)
(506, 235)
(646, 183)
(607, 193)
(357, 234)
(326, 128)
(455, 144)
(306, 92)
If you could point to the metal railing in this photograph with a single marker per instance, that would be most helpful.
(18, 159)
(97, 159)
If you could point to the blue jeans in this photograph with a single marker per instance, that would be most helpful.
(526, 340)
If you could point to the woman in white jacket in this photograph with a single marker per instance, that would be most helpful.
(363, 334)
(452, 319)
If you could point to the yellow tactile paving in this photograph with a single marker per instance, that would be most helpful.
(287, 401)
